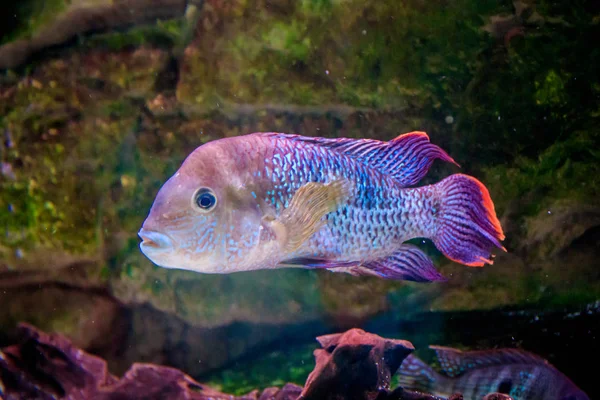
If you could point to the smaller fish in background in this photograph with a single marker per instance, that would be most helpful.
(520, 374)
(8, 140)
(6, 171)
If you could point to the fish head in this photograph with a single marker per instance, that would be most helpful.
(204, 216)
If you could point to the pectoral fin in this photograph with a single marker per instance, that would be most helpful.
(304, 215)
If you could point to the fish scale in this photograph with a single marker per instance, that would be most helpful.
(351, 229)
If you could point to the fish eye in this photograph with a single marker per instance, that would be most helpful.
(204, 199)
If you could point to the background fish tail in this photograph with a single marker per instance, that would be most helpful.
(414, 374)
(467, 228)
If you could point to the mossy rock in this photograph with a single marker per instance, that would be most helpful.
(93, 139)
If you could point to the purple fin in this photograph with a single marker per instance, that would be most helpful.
(409, 263)
(409, 157)
(406, 158)
(455, 362)
(467, 228)
(414, 374)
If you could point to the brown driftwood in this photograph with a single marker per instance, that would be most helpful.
(88, 20)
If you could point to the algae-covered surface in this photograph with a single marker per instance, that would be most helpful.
(92, 128)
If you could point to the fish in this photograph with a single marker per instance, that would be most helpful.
(6, 170)
(517, 373)
(8, 140)
(271, 200)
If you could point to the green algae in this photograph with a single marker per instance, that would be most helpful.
(62, 178)
(276, 368)
(29, 16)
(556, 173)
(310, 46)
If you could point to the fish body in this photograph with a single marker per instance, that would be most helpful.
(270, 200)
(474, 374)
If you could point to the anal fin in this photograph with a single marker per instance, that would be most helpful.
(409, 263)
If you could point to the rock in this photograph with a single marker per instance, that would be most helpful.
(403, 394)
(351, 365)
(63, 296)
(45, 366)
(288, 392)
(497, 396)
(354, 365)
(555, 229)
(153, 381)
(163, 338)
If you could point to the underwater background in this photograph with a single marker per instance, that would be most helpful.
(100, 102)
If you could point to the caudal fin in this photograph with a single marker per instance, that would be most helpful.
(467, 228)
(414, 374)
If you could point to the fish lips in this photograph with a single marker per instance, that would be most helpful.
(153, 241)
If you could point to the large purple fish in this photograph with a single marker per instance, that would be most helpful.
(518, 373)
(272, 200)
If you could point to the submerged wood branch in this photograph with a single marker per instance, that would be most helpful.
(89, 20)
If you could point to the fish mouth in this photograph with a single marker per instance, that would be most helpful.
(154, 240)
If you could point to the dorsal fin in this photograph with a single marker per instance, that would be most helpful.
(455, 362)
(406, 158)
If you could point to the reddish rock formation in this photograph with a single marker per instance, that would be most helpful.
(45, 366)
(497, 396)
(351, 365)
(354, 365)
